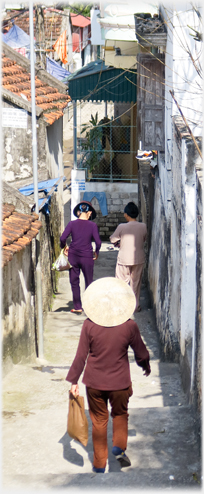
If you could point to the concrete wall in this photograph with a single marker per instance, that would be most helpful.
(117, 196)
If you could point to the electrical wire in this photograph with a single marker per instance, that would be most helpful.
(154, 56)
(139, 44)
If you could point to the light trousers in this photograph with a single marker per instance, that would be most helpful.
(99, 415)
(133, 276)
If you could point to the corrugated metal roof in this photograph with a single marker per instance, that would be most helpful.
(18, 230)
(98, 82)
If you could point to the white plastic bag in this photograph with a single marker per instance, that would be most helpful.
(61, 263)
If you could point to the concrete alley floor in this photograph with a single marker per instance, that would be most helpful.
(37, 452)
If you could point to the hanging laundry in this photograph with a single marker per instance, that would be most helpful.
(60, 46)
(101, 198)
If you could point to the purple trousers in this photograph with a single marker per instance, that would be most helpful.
(79, 263)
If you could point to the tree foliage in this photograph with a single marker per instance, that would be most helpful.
(81, 8)
(92, 145)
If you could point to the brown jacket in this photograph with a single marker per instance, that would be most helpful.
(107, 365)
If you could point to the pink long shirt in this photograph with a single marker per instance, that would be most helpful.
(103, 352)
(132, 236)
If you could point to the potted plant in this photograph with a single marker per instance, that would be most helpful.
(92, 150)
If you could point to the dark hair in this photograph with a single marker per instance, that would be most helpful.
(131, 210)
(84, 208)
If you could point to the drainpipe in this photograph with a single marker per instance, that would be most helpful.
(35, 183)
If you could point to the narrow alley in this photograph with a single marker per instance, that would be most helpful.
(123, 126)
(37, 452)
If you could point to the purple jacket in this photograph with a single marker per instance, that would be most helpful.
(83, 233)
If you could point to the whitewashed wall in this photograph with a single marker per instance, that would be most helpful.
(181, 73)
(174, 276)
(182, 78)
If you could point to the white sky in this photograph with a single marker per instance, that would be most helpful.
(136, 5)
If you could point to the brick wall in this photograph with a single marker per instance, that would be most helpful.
(117, 196)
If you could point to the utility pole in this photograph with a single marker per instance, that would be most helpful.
(35, 182)
(40, 37)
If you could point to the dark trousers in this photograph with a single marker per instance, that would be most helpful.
(78, 263)
(99, 415)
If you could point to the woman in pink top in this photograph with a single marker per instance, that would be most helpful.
(131, 257)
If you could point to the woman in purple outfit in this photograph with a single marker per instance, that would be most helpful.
(80, 252)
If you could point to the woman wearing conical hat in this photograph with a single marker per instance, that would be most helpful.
(106, 335)
(80, 252)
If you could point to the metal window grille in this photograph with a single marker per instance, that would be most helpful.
(107, 147)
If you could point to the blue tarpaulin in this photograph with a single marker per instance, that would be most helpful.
(55, 69)
(44, 186)
(16, 38)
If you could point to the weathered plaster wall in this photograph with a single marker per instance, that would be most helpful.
(17, 149)
(49, 250)
(18, 328)
(160, 278)
(198, 384)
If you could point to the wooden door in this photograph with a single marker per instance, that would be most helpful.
(150, 101)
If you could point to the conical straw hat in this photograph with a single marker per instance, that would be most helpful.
(109, 301)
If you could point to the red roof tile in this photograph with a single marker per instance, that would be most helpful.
(52, 23)
(18, 230)
(17, 80)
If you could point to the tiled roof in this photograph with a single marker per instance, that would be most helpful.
(16, 79)
(52, 23)
(18, 230)
(79, 20)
